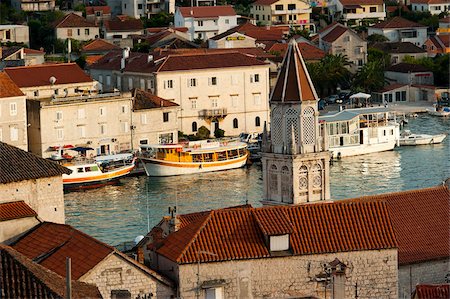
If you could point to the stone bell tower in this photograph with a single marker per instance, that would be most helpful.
(295, 157)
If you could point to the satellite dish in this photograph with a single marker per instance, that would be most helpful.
(138, 239)
(52, 80)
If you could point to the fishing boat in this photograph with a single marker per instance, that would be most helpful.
(353, 132)
(193, 157)
(407, 138)
(97, 172)
(439, 111)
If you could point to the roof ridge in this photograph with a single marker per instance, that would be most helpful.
(382, 197)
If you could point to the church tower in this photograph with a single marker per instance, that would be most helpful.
(295, 156)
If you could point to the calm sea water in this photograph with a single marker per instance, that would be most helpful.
(116, 214)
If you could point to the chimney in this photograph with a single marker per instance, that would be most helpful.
(149, 58)
(126, 53)
(174, 224)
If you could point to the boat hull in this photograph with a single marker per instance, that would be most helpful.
(96, 180)
(423, 141)
(158, 168)
(361, 149)
(439, 113)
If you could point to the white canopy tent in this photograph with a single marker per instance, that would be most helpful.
(360, 99)
(360, 95)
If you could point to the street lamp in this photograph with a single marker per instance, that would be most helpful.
(198, 268)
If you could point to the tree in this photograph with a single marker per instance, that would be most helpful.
(438, 65)
(374, 54)
(203, 133)
(161, 19)
(219, 133)
(377, 38)
(370, 77)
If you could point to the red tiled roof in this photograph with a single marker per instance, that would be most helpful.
(397, 22)
(206, 61)
(8, 88)
(359, 2)
(432, 291)
(49, 244)
(334, 34)
(22, 278)
(159, 29)
(91, 59)
(258, 33)
(39, 75)
(73, 20)
(15, 210)
(293, 82)
(264, 2)
(445, 20)
(136, 62)
(147, 100)
(444, 39)
(124, 24)
(207, 11)
(28, 51)
(392, 87)
(99, 45)
(90, 10)
(19, 165)
(420, 220)
(309, 52)
(429, 1)
(236, 233)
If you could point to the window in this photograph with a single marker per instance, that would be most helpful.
(125, 127)
(59, 115)
(263, 16)
(86, 31)
(168, 84)
(14, 133)
(100, 78)
(78, 32)
(102, 111)
(56, 92)
(234, 100)
(165, 117)
(373, 9)
(235, 123)
(212, 293)
(119, 82)
(257, 17)
(291, 6)
(257, 98)
(360, 62)
(60, 133)
(125, 5)
(142, 84)
(102, 129)
(150, 84)
(213, 81)
(143, 141)
(200, 23)
(139, 6)
(69, 32)
(144, 119)
(194, 126)
(279, 7)
(227, 21)
(13, 108)
(130, 83)
(108, 80)
(82, 131)
(97, 13)
(192, 82)
(279, 243)
(214, 102)
(257, 121)
(36, 93)
(254, 78)
(124, 108)
(193, 103)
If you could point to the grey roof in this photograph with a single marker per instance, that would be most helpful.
(407, 67)
(348, 114)
(19, 165)
(398, 47)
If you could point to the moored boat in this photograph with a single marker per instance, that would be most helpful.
(407, 138)
(439, 111)
(89, 173)
(194, 157)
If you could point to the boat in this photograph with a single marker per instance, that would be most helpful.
(407, 138)
(439, 111)
(193, 157)
(360, 131)
(96, 172)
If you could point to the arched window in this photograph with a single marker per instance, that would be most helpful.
(286, 189)
(303, 178)
(235, 123)
(257, 121)
(194, 126)
(273, 182)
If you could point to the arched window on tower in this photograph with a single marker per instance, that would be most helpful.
(257, 121)
(273, 182)
(235, 123)
(286, 189)
(194, 126)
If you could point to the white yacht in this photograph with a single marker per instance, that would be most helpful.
(408, 138)
(353, 132)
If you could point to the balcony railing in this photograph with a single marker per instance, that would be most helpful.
(366, 15)
(291, 12)
(210, 113)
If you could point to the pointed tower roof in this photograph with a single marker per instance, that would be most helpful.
(293, 82)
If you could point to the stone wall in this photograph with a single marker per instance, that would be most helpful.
(432, 272)
(44, 195)
(375, 272)
(11, 230)
(116, 273)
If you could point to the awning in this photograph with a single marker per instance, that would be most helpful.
(360, 95)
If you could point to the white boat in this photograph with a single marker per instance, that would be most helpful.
(439, 111)
(89, 173)
(360, 131)
(407, 138)
(195, 157)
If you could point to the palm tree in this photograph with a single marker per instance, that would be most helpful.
(335, 72)
(370, 77)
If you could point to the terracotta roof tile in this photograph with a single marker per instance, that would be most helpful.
(49, 244)
(443, 40)
(309, 52)
(432, 291)
(126, 24)
(15, 210)
(90, 10)
(207, 11)
(147, 100)
(91, 59)
(39, 75)
(99, 45)
(22, 278)
(293, 82)
(28, 51)
(238, 233)
(334, 34)
(397, 22)
(407, 67)
(19, 165)
(8, 88)
(264, 2)
(73, 20)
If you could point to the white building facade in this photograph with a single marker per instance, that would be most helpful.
(434, 7)
(398, 29)
(14, 34)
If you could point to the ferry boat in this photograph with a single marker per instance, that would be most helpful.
(97, 172)
(353, 132)
(194, 157)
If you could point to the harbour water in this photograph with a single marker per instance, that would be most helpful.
(116, 214)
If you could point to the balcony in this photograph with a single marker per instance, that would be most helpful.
(291, 12)
(213, 113)
(367, 15)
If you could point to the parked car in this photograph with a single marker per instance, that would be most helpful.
(332, 99)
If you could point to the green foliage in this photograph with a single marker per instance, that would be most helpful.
(143, 47)
(219, 133)
(439, 66)
(80, 7)
(9, 15)
(198, 41)
(370, 77)
(41, 30)
(161, 19)
(421, 17)
(81, 61)
(203, 133)
(374, 54)
(304, 33)
(377, 38)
